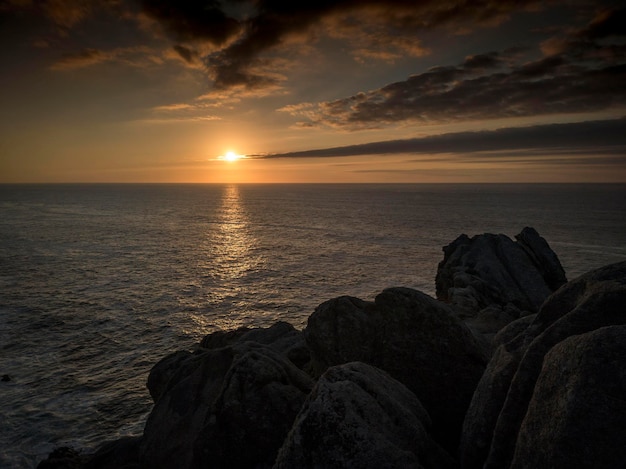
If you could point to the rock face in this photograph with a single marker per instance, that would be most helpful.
(553, 396)
(118, 454)
(63, 458)
(358, 416)
(230, 406)
(411, 336)
(495, 280)
(578, 407)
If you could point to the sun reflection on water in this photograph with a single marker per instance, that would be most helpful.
(230, 259)
(232, 241)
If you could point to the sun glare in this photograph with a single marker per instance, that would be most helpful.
(230, 156)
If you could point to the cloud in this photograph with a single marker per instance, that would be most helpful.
(246, 31)
(174, 107)
(84, 58)
(226, 98)
(595, 137)
(371, 37)
(577, 74)
(594, 40)
(196, 111)
(237, 43)
(139, 56)
(65, 14)
(177, 120)
(186, 53)
(191, 21)
(608, 23)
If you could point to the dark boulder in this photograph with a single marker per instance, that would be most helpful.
(224, 407)
(493, 280)
(504, 409)
(160, 374)
(512, 330)
(248, 422)
(358, 416)
(281, 336)
(411, 336)
(63, 457)
(578, 409)
(543, 257)
(118, 454)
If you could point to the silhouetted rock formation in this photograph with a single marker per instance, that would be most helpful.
(553, 396)
(225, 407)
(413, 337)
(117, 454)
(358, 416)
(495, 280)
(63, 458)
(401, 378)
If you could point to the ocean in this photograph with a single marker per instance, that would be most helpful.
(99, 282)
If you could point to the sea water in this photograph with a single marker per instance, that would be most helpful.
(98, 282)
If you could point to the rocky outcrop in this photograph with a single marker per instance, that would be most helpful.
(578, 410)
(411, 336)
(63, 458)
(512, 330)
(492, 280)
(560, 377)
(214, 403)
(358, 416)
(118, 454)
(402, 378)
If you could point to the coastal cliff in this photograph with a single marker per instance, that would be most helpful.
(511, 367)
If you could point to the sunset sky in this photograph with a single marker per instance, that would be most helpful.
(312, 91)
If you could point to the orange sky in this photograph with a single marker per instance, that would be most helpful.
(156, 91)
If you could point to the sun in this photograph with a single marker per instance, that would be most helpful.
(230, 156)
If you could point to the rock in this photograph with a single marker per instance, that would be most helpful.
(512, 330)
(217, 402)
(487, 402)
(494, 280)
(504, 407)
(411, 336)
(543, 257)
(259, 400)
(118, 454)
(6, 378)
(63, 458)
(281, 336)
(578, 407)
(358, 416)
(160, 374)
(220, 339)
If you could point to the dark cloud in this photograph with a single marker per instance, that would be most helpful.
(482, 61)
(186, 53)
(141, 57)
(252, 28)
(574, 76)
(63, 13)
(608, 23)
(602, 137)
(84, 58)
(192, 20)
(602, 37)
(236, 40)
